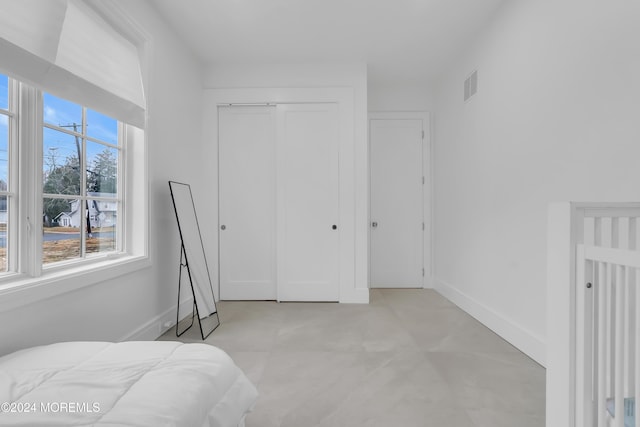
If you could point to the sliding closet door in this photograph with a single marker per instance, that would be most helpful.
(307, 202)
(247, 142)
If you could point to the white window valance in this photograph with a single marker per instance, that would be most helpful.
(67, 49)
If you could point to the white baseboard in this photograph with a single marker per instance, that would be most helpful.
(428, 283)
(155, 327)
(530, 344)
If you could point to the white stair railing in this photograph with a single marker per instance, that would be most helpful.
(592, 345)
(606, 327)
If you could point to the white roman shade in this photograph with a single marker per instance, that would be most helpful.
(67, 49)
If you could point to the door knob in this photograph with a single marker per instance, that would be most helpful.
(334, 227)
(223, 227)
(374, 224)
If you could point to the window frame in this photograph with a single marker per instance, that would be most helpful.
(84, 197)
(12, 174)
(27, 280)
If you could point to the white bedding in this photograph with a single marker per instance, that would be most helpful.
(123, 384)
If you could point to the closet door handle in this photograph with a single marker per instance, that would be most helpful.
(223, 227)
(334, 227)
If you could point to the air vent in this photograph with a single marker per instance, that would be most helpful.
(471, 85)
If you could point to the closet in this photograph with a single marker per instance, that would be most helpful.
(278, 202)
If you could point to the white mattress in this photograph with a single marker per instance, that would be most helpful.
(123, 384)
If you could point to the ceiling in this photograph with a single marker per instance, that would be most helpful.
(409, 41)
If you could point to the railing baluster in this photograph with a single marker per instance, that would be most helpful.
(634, 301)
(582, 391)
(597, 231)
(619, 348)
(602, 345)
(611, 310)
(588, 343)
(613, 289)
(633, 234)
(629, 342)
(637, 348)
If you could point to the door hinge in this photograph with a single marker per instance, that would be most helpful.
(422, 134)
(423, 226)
(423, 180)
(423, 272)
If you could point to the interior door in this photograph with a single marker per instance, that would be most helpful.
(247, 144)
(397, 226)
(307, 203)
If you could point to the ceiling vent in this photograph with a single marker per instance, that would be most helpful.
(471, 85)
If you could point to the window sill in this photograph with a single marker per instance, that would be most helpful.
(18, 291)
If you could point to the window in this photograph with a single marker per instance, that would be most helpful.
(73, 150)
(81, 151)
(6, 123)
(71, 162)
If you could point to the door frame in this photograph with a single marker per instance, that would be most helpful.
(427, 188)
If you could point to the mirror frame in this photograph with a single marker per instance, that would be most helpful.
(193, 259)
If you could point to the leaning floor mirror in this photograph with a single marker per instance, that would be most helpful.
(193, 264)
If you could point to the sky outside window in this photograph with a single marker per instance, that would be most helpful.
(4, 167)
(4, 128)
(60, 112)
(102, 127)
(59, 147)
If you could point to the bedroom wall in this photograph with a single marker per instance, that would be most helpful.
(352, 76)
(555, 119)
(134, 306)
(400, 97)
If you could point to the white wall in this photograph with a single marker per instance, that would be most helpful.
(555, 118)
(400, 97)
(134, 305)
(287, 81)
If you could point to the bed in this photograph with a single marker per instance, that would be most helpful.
(123, 384)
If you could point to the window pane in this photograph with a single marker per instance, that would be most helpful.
(4, 218)
(92, 209)
(4, 151)
(62, 222)
(102, 127)
(102, 218)
(60, 169)
(60, 112)
(102, 170)
(4, 92)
